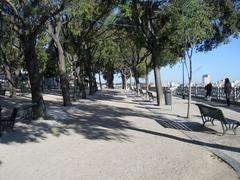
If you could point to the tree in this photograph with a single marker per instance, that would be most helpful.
(110, 55)
(151, 22)
(28, 20)
(225, 20)
(55, 27)
(84, 29)
(11, 58)
(195, 26)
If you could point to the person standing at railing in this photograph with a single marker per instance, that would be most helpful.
(227, 90)
(208, 89)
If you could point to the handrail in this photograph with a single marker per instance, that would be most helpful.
(217, 93)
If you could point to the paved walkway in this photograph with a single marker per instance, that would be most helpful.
(226, 147)
(112, 136)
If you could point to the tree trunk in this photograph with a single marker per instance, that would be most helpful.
(94, 80)
(95, 83)
(124, 80)
(62, 72)
(63, 76)
(147, 87)
(146, 78)
(91, 80)
(189, 99)
(75, 81)
(80, 81)
(137, 85)
(100, 82)
(190, 88)
(82, 86)
(135, 74)
(32, 63)
(130, 79)
(158, 84)
(110, 76)
(64, 82)
(11, 83)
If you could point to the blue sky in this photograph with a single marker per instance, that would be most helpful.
(222, 62)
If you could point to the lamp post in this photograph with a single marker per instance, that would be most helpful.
(183, 95)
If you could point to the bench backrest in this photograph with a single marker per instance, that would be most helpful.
(211, 112)
(25, 111)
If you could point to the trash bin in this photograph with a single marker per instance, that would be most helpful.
(168, 97)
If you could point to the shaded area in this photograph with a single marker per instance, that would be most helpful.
(8, 104)
(96, 121)
(196, 142)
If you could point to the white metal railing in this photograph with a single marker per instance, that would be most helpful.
(217, 93)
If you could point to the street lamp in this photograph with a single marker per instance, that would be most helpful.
(183, 95)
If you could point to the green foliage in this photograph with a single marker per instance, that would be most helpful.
(152, 26)
(225, 19)
(10, 49)
(194, 23)
(51, 66)
(107, 52)
(99, 37)
(41, 51)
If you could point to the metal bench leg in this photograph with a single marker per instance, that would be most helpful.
(235, 128)
(212, 119)
(224, 128)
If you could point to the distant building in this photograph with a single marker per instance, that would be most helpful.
(173, 84)
(220, 83)
(236, 83)
(206, 79)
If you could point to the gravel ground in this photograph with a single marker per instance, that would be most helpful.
(106, 137)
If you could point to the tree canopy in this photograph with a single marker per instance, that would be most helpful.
(73, 40)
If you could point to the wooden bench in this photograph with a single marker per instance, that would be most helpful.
(21, 112)
(209, 114)
(135, 89)
(131, 88)
(150, 95)
(142, 93)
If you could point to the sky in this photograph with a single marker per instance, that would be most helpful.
(222, 62)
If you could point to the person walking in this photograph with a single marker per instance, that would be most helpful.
(227, 90)
(208, 89)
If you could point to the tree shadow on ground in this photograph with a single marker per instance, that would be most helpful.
(8, 104)
(92, 121)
